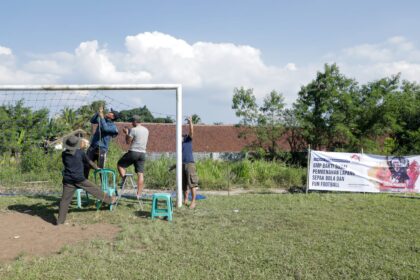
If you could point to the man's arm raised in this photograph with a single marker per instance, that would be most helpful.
(190, 123)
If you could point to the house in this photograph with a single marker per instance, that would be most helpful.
(57, 144)
(214, 141)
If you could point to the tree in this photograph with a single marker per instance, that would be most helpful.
(376, 114)
(294, 137)
(195, 119)
(270, 119)
(326, 108)
(145, 115)
(69, 118)
(163, 120)
(85, 113)
(21, 128)
(381, 116)
(265, 123)
(245, 105)
(407, 129)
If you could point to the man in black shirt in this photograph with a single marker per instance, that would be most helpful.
(399, 170)
(74, 161)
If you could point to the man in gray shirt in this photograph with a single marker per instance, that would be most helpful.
(137, 138)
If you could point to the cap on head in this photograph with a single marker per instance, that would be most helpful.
(135, 118)
(116, 114)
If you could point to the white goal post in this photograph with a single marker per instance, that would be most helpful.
(130, 87)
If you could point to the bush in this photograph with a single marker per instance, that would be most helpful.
(248, 174)
(33, 159)
(157, 175)
(212, 174)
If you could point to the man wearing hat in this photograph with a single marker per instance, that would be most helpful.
(137, 138)
(74, 161)
(105, 131)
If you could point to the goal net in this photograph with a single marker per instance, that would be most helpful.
(34, 120)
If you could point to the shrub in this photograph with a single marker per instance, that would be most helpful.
(157, 175)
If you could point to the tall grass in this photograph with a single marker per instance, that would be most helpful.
(45, 171)
(249, 174)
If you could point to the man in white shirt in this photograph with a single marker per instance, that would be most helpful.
(137, 138)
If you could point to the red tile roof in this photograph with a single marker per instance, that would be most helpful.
(207, 138)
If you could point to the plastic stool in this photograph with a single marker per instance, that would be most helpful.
(79, 197)
(162, 212)
(108, 185)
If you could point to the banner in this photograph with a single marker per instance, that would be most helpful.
(363, 173)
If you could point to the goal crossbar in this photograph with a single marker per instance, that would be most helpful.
(176, 87)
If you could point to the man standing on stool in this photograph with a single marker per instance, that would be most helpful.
(189, 173)
(137, 138)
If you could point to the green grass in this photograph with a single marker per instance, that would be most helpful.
(215, 175)
(289, 236)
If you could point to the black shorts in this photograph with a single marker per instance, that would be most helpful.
(135, 158)
(94, 154)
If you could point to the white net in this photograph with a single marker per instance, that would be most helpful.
(33, 125)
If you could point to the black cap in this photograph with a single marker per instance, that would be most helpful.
(116, 114)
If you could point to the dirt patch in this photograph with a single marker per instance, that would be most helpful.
(31, 235)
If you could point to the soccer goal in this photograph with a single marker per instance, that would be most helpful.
(33, 117)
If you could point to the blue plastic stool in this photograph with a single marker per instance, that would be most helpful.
(108, 180)
(79, 197)
(162, 212)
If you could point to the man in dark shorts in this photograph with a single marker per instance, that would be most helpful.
(74, 160)
(189, 173)
(105, 131)
(137, 138)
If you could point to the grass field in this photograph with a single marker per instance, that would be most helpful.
(252, 236)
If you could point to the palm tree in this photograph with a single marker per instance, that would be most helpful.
(69, 116)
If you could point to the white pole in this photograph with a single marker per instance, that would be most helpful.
(307, 169)
(92, 87)
(179, 146)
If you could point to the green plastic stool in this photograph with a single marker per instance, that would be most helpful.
(162, 212)
(79, 197)
(108, 182)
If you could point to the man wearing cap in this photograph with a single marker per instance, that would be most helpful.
(105, 131)
(137, 138)
(74, 161)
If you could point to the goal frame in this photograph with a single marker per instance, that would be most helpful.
(126, 87)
